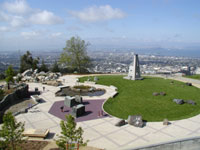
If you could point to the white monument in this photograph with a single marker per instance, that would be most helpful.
(134, 70)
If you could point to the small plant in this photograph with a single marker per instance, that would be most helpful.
(69, 134)
(82, 87)
(11, 133)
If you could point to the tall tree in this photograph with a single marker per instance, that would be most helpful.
(9, 75)
(55, 67)
(44, 67)
(28, 62)
(11, 132)
(69, 133)
(75, 54)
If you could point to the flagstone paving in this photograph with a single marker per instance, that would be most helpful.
(101, 132)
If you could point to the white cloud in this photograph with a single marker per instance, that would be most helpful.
(57, 34)
(101, 13)
(4, 29)
(18, 21)
(46, 18)
(17, 7)
(4, 17)
(17, 14)
(30, 34)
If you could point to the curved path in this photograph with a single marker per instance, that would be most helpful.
(101, 132)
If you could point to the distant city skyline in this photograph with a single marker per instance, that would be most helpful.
(46, 25)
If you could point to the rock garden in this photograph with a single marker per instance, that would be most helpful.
(80, 90)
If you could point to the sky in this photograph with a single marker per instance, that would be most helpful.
(47, 24)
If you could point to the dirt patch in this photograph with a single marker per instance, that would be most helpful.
(33, 145)
(24, 104)
(52, 146)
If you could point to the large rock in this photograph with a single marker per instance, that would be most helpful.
(120, 123)
(78, 99)
(96, 79)
(191, 102)
(135, 120)
(78, 110)
(188, 84)
(69, 101)
(35, 71)
(27, 72)
(155, 94)
(42, 73)
(54, 83)
(162, 93)
(178, 101)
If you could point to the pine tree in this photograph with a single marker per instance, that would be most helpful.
(69, 133)
(44, 67)
(55, 67)
(11, 132)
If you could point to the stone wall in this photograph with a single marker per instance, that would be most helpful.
(17, 96)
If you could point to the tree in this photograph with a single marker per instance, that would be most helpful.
(44, 67)
(75, 55)
(55, 67)
(69, 133)
(28, 62)
(9, 75)
(11, 133)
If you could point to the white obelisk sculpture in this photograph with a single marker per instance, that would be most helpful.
(134, 70)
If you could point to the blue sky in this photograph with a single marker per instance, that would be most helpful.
(47, 24)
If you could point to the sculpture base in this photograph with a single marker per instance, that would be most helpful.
(130, 78)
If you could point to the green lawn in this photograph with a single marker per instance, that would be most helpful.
(135, 97)
(197, 76)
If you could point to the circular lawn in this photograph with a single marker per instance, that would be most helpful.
(136, 98)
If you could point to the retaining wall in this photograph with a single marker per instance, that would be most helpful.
(192, 143)
(17, 96)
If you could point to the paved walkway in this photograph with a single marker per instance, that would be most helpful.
(101, 132)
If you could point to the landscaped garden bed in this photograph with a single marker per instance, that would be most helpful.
(135, 98)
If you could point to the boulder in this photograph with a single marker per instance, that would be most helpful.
(54, 83)
(96, 79)
(162, 93)
(78, 99)
(165, 122)
(120, 123)
(178, 101)
(191, 102)
(27, 72)
(69, 101)
(78, 110)
(188, 84)
(91, 89)
(35, 71)
(155, 93)
(42, 73)
(135, 120)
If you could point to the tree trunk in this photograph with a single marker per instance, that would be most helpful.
(8, 85)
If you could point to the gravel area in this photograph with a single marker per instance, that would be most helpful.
(21, 105)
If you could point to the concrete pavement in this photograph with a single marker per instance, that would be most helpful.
(101, 132)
